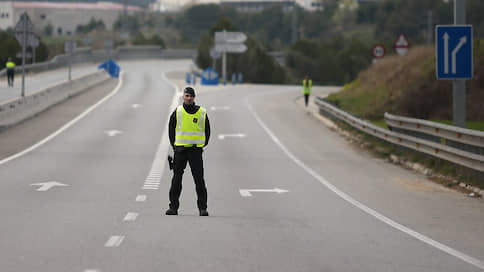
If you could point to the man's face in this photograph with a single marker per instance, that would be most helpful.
(188, 99)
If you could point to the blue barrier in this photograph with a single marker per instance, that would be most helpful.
(209, 77)
(188, 78)
(111, 67)
(234, 80)
(240, 77)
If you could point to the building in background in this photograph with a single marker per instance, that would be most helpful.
(63, 17)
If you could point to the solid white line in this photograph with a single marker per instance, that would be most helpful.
(159, 161)
(245, 193)
(114, 241)
(66, 126)
(131, 216)
(92, 270)
(150, 188)
(466, 258)
(141, 198)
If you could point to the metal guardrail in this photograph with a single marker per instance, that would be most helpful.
(438, 150)
(461, 138)
(86, 54)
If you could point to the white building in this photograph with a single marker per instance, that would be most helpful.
(240, 5)
(63, 17)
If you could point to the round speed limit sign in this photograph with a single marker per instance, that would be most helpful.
(378, 51)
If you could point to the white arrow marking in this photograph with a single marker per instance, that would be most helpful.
(45, 186)
(131, 216)
(446, 53)
(135, 106)
(141, 198)
(247, 192)
(223, 136)
(112, 133)
(463, 40)
(114, 241)
(220, 108)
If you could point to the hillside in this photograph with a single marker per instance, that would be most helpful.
(408, 86)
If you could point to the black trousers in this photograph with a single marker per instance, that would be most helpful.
(306, 99)
(193, 156)
(10, 75)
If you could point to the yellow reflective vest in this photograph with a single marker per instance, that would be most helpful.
(190, 128)
(307, 89)
(10, 65)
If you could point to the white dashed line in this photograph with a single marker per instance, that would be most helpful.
(141, 198)
(131, 216)
(114, 241)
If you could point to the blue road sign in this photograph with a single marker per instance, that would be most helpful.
(454, 51)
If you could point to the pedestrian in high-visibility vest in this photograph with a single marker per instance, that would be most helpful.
(189, 132)
(10, 71)
(307, 84)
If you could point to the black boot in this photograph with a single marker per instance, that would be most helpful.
(171, 212)
(203, 213)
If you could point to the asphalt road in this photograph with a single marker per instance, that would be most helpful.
(40, 81)
(338, 210)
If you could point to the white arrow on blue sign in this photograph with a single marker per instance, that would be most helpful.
(454, 51)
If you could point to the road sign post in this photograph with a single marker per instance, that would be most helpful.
(401, 45)
(454, 59)
(24, 32)
(229, 42)
(69, 48)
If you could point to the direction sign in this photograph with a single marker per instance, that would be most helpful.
(230, 37)
(401, 45)
(454, 51)
(24, 30)
(378, 51)
(214, 53)
(34, 42)
(70, 47)
(231, 47)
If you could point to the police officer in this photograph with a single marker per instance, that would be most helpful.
(10, 71)
(189, 131)
(307, 84)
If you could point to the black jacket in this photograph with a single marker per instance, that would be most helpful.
(172, 124)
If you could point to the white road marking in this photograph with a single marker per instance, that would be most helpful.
(131, 216)
(159, 162)
(219, 108)
(45, 186)
(464, 257)
(150, 187)
(92, 270)
(237, 135)
(114, 241)
(135, 106)
(113, 132)
(247, 192)
(68, 125)
(141, 198)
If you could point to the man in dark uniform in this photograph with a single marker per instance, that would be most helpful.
(189, 131)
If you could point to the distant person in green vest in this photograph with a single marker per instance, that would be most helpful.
(10, 71)
(307, 84)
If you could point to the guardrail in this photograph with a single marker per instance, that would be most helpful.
(434, 149)
(461, 138)
(86, 54)
(16, 110)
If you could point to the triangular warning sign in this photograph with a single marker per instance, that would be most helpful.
(402, 41)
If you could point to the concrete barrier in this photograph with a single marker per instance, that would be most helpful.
(17, 110)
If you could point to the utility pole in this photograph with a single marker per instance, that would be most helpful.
(459, 85)
(429, 27)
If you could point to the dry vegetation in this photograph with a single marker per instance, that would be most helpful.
(408, 86)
